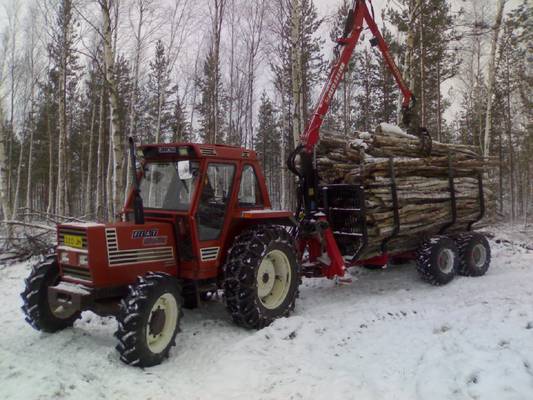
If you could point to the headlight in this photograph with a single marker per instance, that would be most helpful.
(65, 259)
(83, 260)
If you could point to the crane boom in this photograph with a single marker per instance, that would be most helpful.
(358, 15)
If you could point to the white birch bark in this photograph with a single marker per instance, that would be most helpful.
(142, 8)
(118, 144)
(4, 198)
(51, 200)
(492, 76)
(100, 160)
(90, 152)
(296, 70)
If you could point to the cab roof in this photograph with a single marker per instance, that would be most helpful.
(166, 151)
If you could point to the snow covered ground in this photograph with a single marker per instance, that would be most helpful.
(386, 336)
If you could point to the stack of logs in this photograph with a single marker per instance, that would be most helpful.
(422, 182)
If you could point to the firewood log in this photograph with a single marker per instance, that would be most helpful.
(421, 181)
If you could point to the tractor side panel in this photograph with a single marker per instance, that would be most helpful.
(121, 252)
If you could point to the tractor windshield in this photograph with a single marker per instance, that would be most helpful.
(169, 185)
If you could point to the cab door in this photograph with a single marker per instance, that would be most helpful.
(212, 216)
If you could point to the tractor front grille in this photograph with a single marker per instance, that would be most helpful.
(77, 273)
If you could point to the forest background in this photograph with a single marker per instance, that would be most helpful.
(77, 77)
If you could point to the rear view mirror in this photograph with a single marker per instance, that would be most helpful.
(184, 170)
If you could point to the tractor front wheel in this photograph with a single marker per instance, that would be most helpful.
(40, 314)
(262, 276)
(148, 321)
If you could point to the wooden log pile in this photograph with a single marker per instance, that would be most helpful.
(422, 183)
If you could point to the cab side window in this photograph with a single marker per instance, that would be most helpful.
(249, 192)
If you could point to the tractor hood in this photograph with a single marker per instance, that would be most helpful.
(106, 255)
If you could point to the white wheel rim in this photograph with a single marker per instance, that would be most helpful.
(445, 261)
(273, 279)
(158, 340)
(479, 255)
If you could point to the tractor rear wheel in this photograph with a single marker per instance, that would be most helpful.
(39, 313)
(437, 260)
(474, 254)
(262, 276)
(148, 321)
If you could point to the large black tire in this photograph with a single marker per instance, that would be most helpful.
(148, 321)
(437, 260)
(474, 254)
(35, 299)
(261, 257)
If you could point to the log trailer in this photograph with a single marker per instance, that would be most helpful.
(204, 223)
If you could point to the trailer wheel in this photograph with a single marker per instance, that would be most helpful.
(437, 260)
(261, 276)
(36, 307)
(474, 254)
(148, 321)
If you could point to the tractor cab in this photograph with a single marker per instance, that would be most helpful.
(207, 193)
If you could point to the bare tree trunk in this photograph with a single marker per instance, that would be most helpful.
(29, 191)
(422, 65)
(509, 127)
(254, 36)
(30, 153)
(51, 200)
(217, 20)
(160, 100)
(231, 100)
(4, 173)
(194, 90)
(492, 76)
(100, 159)
(118, 145)
(62, 146)
(439, 105)
(88, 181)
(285, 114)
(142, 7)
(13, 22)
(109, 178)
(16, 199)
(410, 42)
(500, 170)
(296, 71)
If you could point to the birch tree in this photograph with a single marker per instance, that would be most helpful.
(492, 76)
(107, 7)
(296, 71)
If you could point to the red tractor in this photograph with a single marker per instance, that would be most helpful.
(204, 223)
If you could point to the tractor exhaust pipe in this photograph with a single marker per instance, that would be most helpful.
(138, 208)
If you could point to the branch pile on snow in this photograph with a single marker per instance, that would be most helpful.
(422, 182)
(34, 235)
